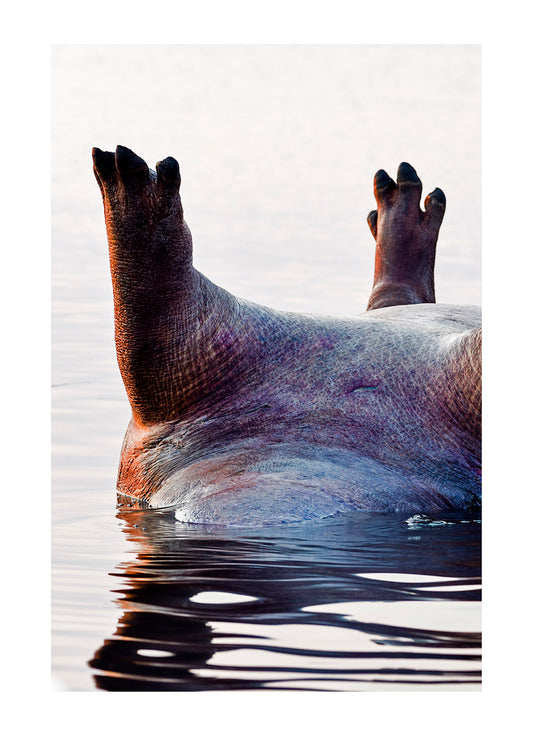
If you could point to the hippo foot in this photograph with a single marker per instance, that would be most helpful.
(165, 311)
(406, 239)
(143, 210)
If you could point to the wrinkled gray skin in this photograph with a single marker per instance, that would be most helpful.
(242, 415)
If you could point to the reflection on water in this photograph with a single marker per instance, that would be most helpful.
(355, 602)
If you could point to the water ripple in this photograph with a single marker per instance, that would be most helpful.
(350, 603)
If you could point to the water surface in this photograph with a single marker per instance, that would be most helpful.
(346, 604)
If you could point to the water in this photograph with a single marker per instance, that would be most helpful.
(277, 147)
(341, 605)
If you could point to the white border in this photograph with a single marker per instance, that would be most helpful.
(239, 721)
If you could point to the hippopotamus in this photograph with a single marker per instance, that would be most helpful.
(247, 416)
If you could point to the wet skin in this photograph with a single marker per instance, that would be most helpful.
(244, 415)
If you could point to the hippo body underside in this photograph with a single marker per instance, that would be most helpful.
(331, 415)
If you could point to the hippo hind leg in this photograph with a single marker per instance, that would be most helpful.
(406, 239)
(166, 313)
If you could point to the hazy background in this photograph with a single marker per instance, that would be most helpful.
(278, 145)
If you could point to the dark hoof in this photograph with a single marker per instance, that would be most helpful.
(372, 221)
(407, 174)
(435, 207)
(168, 170)
(104, 163)
(384, 186)
(409, 185)
(436, 197)
(129, 164)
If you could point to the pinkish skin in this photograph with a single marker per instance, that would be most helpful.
(242, 415)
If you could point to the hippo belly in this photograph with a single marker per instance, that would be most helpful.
(327, 428)
(244, 415)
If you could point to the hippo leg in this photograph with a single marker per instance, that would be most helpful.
(406, 239)
(166, 313)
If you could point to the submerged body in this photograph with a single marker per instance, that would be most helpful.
(244, 415)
